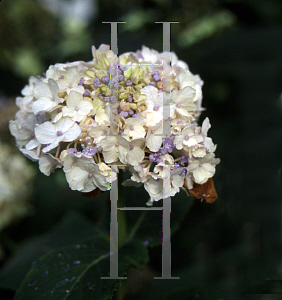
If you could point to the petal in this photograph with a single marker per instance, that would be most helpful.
(54, 88)
(109, 143)
(151, 93)
(19, 133)
(32, 144)
(206, 126)
(178, 141)
(138, 142)
(67, 112)
(101, 182)
(72, 76)
(64, 124)
(135, 156)
(45, 133)
(178, 181)
(74, 99)
(138, 132)
(111, 155)
(154, 142)
(199, 176)
(186, 94)
(123, 154)
(208, 170)
(79, 89)
(43, 104)
(69, 162)
(31, 154)
(72, 133)
(42, 89)
(77, 178)
(87, 164)
(200, 152)
(182, 111)
(47, 164)
(85, 107)
(54, 144)
(193, 166)
(89, 185)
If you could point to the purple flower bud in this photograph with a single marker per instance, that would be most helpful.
(86, 93)
(157, 77)
(121, 78)
(168, 145)
(136, 115)
(131, 112)
(156, 107)
(155, 157)
(107, 99)
(89, 150)
(105, 79)
(152, 83)
(101, 96)
(129, 99)
(123, 69)
(81, 82)
(96, 82)
(117, 86)
(128, 83)
(123, 114)
(121, 131)
(115, 79)
(155, 73)
(178, 105)
(131, 147)
(59, 133)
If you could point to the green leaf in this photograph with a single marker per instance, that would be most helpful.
(71, 229)
(74, 272)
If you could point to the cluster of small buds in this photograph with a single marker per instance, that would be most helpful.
(86, 116)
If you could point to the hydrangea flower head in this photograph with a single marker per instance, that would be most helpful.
(84, 117)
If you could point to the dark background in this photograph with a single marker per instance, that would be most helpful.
(230, 249)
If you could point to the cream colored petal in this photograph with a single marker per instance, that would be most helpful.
(135, 156)
(77, 178)
(72, 133)
(54, 144)
(111, 155)
(45, 133)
